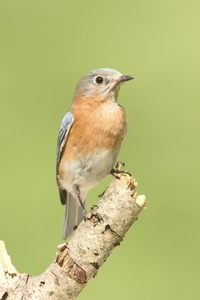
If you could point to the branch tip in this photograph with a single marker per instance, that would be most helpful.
(141, 200)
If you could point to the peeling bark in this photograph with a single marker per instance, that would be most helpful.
(80, 259)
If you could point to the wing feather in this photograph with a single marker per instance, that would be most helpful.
(62, 140)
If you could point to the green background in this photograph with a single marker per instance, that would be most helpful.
(45, 48)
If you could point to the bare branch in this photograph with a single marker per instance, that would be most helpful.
(81, 258)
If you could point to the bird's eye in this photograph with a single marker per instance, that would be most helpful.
(99, 80)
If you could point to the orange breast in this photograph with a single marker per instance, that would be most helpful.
(97, 126)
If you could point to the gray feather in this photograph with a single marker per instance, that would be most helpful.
(73, 215)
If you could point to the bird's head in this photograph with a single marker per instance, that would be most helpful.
(101, 84)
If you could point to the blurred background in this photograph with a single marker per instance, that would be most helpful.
(45, 48)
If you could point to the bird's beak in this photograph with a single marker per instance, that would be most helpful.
(124, 78)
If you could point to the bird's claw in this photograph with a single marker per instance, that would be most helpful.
(115, 171)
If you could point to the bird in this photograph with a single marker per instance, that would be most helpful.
(89, 141)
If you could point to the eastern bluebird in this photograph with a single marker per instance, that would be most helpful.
(89, 141)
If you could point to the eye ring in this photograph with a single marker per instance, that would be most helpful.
(99, 79)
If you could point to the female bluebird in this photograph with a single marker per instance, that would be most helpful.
(89, 141)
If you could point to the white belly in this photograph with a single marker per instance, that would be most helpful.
(88, 172)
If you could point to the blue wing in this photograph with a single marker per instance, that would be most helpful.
(63, 134)
(62, 139)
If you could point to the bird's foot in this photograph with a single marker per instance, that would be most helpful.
(116, 171)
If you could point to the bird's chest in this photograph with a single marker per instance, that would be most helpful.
(101, 128)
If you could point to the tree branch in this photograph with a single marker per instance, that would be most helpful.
(80, 259)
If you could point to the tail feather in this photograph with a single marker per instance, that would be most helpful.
(73, 215)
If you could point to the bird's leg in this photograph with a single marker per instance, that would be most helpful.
(81, 202)
(115, 171)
